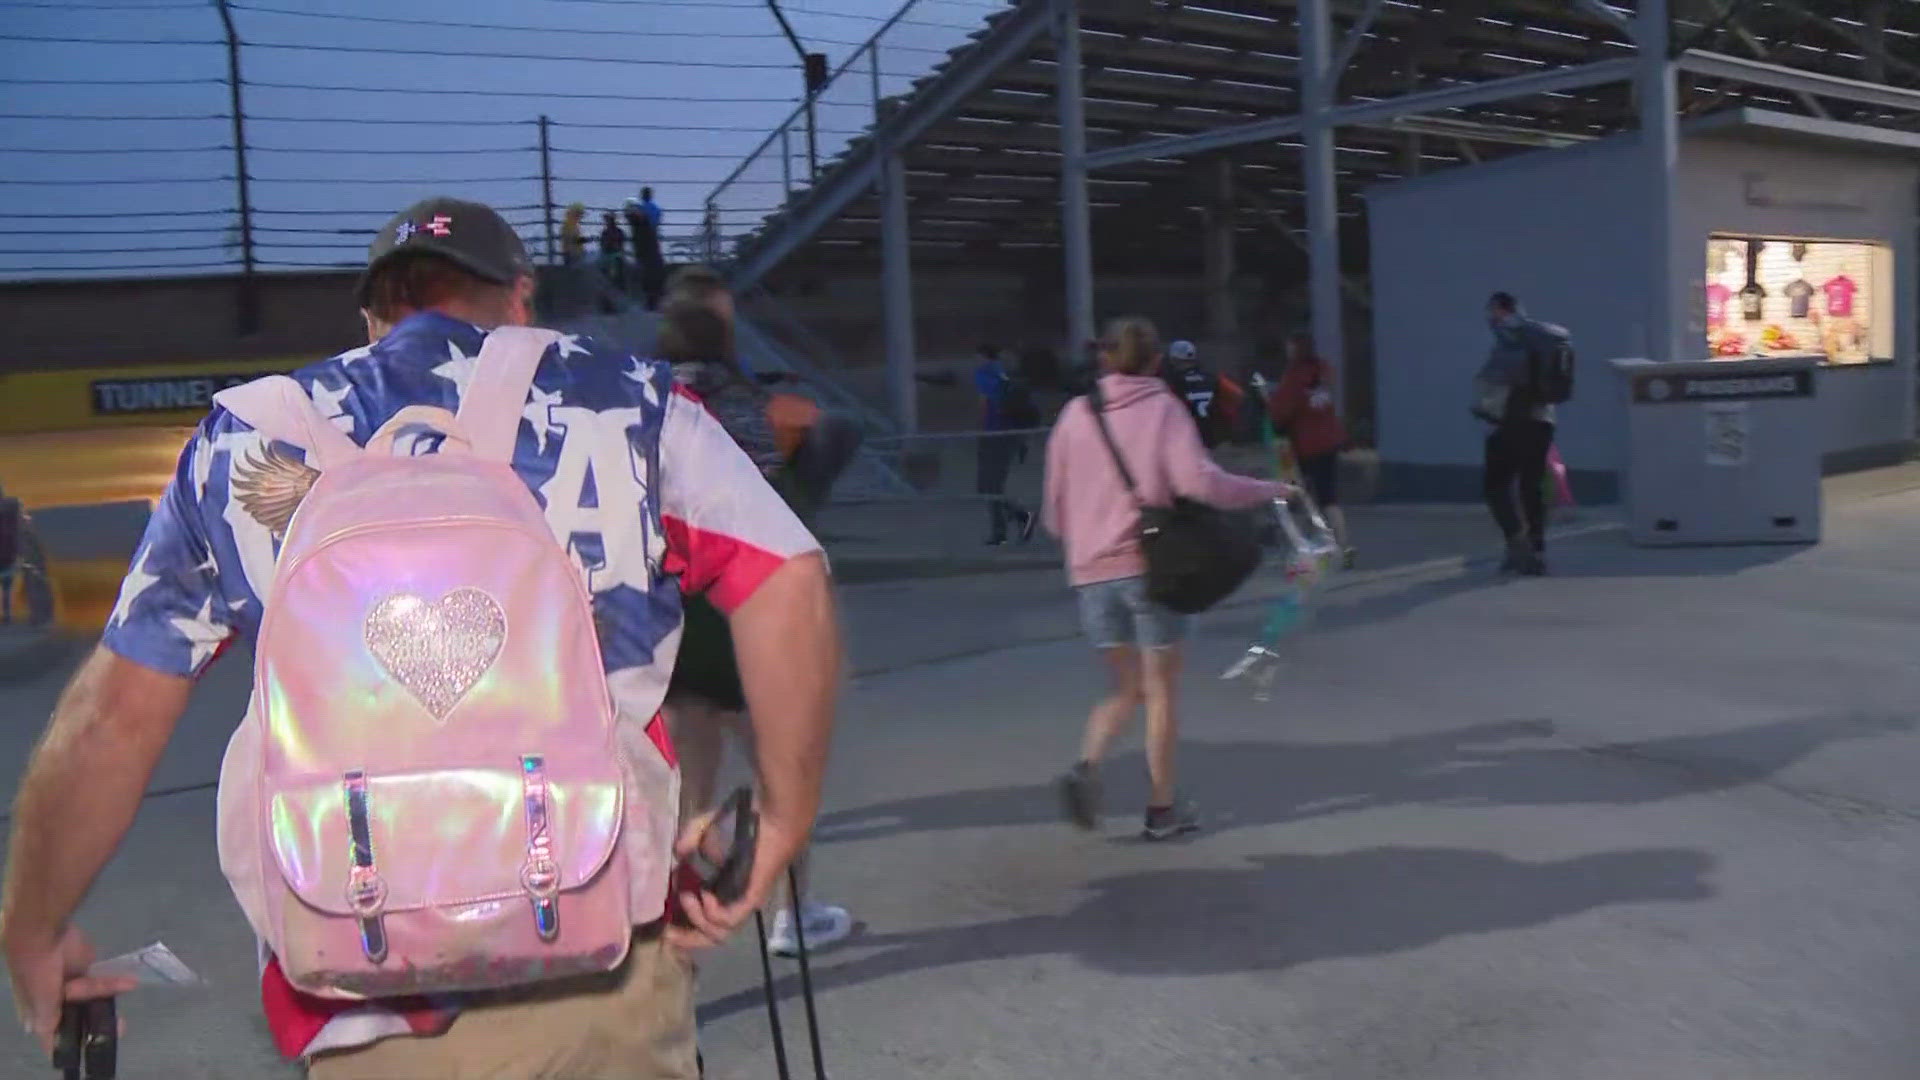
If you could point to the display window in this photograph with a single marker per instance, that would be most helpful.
(1768, 296)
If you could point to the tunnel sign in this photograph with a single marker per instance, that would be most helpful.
(173, 393)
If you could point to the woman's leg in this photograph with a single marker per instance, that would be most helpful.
(1161, 687)
(1112, 713)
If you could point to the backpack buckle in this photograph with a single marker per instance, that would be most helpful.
(540, 874)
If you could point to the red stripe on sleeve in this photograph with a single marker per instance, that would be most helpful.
(726, 568)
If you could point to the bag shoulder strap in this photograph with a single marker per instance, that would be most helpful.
(1096, 403)
(491, 409)
(276, 407)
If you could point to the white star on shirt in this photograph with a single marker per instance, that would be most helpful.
(642, 374)
(539, 413)
(203, 637)
(351, 355)
(202, 465)
(137, 583)
(459, 370)
(328, 402)
(570, 344)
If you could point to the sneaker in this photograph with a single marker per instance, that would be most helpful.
(1167, 822)
(997, 541)
(1348, 558)
(826, 925)
(1027, 525)
(1080, 796)
(1519, 556)
(1535, 565)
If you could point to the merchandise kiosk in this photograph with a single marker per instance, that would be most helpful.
(1794, 236)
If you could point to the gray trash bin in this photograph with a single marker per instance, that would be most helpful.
(1722, 451)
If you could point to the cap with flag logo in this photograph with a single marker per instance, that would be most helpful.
(470, 235)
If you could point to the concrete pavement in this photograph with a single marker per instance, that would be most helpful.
(1651, 817)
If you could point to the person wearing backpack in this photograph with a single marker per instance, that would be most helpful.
(1096, 509)
(1528, 371)
(1213, 400)
(705, 701)
(449, 813)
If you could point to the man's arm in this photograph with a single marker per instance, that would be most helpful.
(82, 788)
(786, 638)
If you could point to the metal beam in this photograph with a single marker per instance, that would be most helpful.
(1076, 227)
(1369, 113)
(1780, 77)
(896, 296)
(1317, 80)
(1600, 10)
(1658, 92)
(1003, 44)
(1759, 51)
(1351, 45)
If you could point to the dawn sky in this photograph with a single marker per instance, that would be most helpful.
(672, 93)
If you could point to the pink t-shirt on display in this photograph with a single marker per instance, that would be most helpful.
(1717, 298)
(1840, 292)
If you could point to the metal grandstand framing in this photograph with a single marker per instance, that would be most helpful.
(1069, 127)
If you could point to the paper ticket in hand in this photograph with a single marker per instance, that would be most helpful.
(154, 965)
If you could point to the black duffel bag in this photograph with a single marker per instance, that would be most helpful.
(1197, 555)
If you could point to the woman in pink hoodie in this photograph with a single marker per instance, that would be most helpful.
(1098, 521)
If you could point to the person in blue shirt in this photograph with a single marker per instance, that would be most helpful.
(1005, 407)
(647, 258)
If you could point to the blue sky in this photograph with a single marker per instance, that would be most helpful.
(684, 91)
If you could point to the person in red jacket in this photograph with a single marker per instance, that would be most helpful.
(1302, 409)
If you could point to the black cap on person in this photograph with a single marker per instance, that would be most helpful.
(470, 235)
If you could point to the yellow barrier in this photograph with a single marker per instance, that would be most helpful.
(145, 395)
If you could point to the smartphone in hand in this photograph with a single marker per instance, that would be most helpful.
(728, 881)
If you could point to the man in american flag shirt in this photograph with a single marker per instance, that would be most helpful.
(648, 495)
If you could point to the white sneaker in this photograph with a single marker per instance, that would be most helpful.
(825, 926)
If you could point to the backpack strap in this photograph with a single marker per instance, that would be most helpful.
(503, 375)
(276, 407)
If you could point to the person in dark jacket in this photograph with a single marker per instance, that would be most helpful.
(1521, 438)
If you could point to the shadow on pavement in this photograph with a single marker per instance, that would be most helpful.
(1494, 764)
(1612, 555)
(1278, 913)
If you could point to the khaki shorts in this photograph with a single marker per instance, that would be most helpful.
(631, 1024)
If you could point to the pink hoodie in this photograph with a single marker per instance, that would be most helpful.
(1087, 505)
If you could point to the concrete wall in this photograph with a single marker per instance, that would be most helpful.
(1554, 228)
(55, 325)
(1868, 410)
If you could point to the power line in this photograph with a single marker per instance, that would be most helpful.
(103, 7)
(387, 213)
(384, 179)
(40, 214)
(466, 54)
(106, 41)
(112, 149)
(788, 100)
(108, 82)
(122, 180)
(374, 120)
(751, 129)
(358, 150)
(115, 251)
(227, 265)
(111, 230)
(72, 116)
(439, 24)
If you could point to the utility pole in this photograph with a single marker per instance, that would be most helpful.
(546, 184)
(813, 67)
(249, 306)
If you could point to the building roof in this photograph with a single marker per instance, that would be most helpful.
(983, 180)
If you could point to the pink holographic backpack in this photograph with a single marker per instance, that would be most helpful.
(427, 791)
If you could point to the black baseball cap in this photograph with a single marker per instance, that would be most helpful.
(470, 235)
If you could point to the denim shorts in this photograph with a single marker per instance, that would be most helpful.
(1116, 613)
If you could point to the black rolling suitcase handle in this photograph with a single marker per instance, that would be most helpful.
(87, 1046)
(806, 989)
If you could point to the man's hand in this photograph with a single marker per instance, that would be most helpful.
(49, 972)
(80, 793)
(709, 921)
